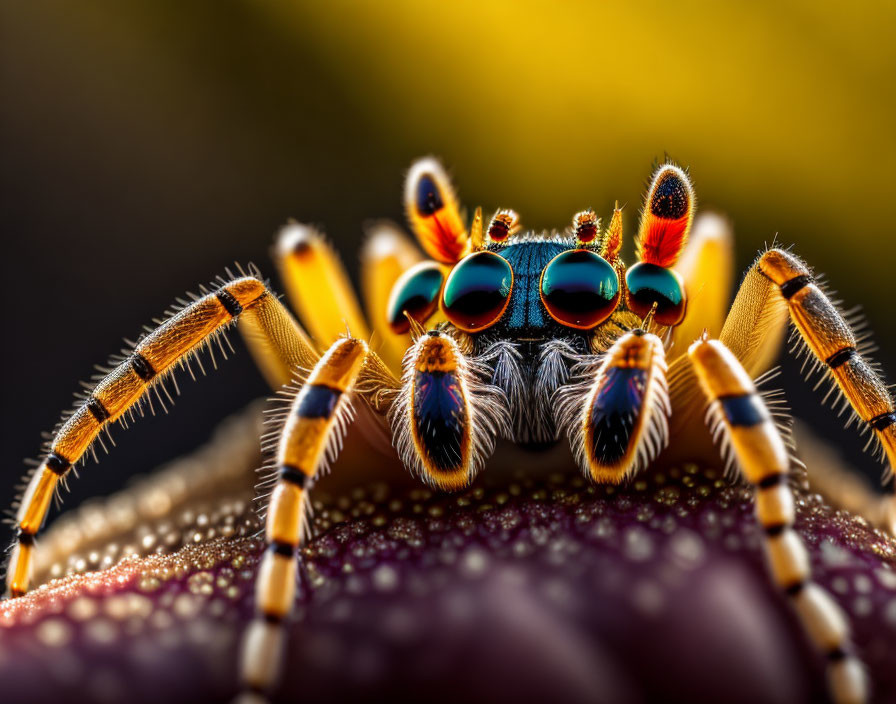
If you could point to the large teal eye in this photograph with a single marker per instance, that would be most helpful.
(417, 293)
(477, 291)
(579, 289)
(648, 284)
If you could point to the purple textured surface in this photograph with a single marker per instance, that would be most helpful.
(534, 591)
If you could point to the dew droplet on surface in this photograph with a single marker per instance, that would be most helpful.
(638, 545)
(54, 632)
(385, 578)
(474, 562)
(687, 549)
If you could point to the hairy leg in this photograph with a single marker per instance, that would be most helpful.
(616, 416)
(741, 417)
(839, 352)
(150, 360)
(780, 286)
(311, 435)
(445, 418)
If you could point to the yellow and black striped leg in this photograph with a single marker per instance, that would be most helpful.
(832, 341)
(760, 452)
(150, 360)
(316, 419)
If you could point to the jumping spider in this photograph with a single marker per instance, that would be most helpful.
(506, 333)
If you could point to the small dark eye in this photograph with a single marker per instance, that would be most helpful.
(648, 284)
(477, 291)
(417, 293)
(429, 199)
(580, 289)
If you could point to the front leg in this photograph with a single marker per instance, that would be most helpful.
(828, 337)
(150, 360)
(445, 423)
(738, 411)
(315, 424)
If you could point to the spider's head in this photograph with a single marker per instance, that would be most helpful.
(503, 283)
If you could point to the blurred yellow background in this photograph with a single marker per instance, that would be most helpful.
(146, 145)
(783, 111)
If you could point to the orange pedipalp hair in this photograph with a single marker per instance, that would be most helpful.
(433, 212)
(666, 218)
(446, 238)
(662, 240)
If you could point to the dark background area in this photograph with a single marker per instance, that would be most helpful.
(145, 146)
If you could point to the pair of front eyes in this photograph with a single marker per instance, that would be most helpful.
(579, 289)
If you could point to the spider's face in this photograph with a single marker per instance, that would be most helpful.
(532, 290)
(530, 307)
(527, 288)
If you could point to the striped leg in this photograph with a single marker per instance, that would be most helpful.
(764, 461)
(833, 343)
(315, 423)
(151, 359)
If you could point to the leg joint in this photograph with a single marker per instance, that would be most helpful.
(97, 410)
(231, 305)
(142, 367)
(293, 475)
(282, 549)
(794, 285)
(837, 653)
(882, 421)
(57, 464)
(774, 529)
(744, 410)
(317, 401)
(23, 537)
(787, 270)
(772, 480)
(795, 588)
(841, 357)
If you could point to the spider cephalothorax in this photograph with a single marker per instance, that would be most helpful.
(518, 335)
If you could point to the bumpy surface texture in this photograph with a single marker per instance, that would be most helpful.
(530, 590)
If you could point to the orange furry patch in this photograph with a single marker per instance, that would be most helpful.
(662, 240)
(442, 235)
